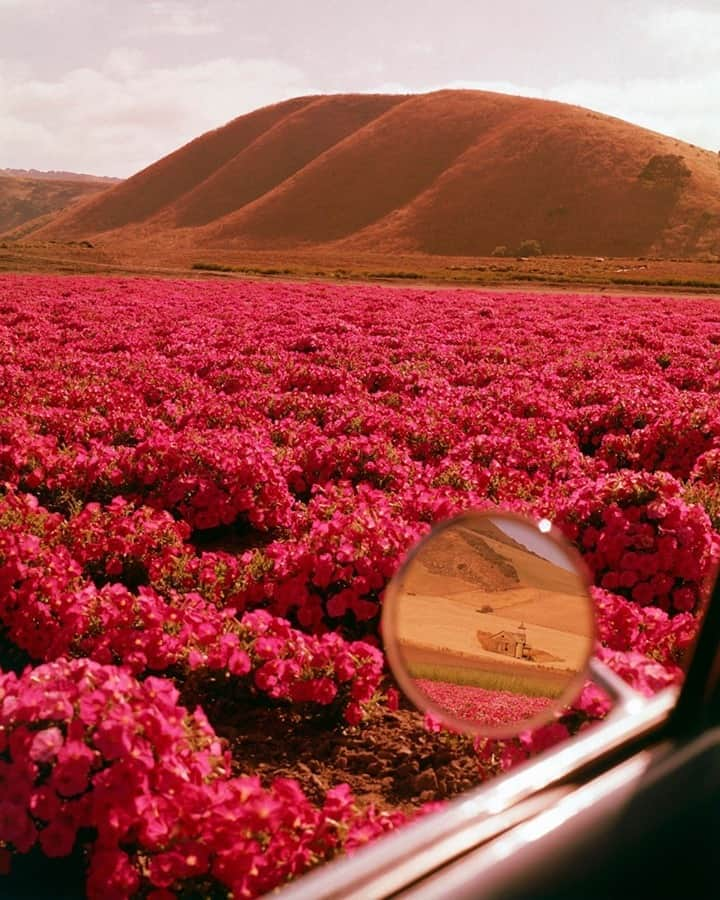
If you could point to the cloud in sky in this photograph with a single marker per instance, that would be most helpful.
(109, 88)
(120, 118)
(686, 33)
(180, 18)
(682, 107)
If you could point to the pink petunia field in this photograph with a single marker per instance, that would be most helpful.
(205, 487)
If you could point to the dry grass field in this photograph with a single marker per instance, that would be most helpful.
(621, 275)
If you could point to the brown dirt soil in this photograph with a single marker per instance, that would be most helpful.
(459, 555)
(276, 155)
(391, 760)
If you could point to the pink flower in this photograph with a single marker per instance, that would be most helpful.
(432, 723)
(44, 803)
(546, 736)
(46, 744)
(70, 775)
(353, 713)
(58, 838)
(111, 875)
(113, 738)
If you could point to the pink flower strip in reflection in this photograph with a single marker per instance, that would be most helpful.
(478, 704)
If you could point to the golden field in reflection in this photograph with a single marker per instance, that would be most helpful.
(497, 604)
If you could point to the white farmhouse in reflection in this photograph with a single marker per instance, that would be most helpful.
(510, 643)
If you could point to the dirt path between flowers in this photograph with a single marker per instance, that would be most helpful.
(391, 761)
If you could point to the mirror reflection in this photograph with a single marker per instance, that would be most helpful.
(489, 624)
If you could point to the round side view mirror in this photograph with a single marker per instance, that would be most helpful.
(489, 624)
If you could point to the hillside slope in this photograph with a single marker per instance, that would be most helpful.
(157, 187)
(452, 172)
(24, 196)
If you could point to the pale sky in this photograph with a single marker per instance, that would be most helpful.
(538, 542)
(109, 86)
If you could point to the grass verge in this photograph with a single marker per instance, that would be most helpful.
(528, 685)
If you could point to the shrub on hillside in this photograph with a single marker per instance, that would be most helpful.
(529, 248)
(665, 169)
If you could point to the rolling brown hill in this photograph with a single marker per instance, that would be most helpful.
(451, 172)
(27, 195)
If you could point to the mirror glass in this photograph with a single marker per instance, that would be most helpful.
(489, 623)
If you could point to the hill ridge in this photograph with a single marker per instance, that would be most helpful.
(371, 132)
(194, 199)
